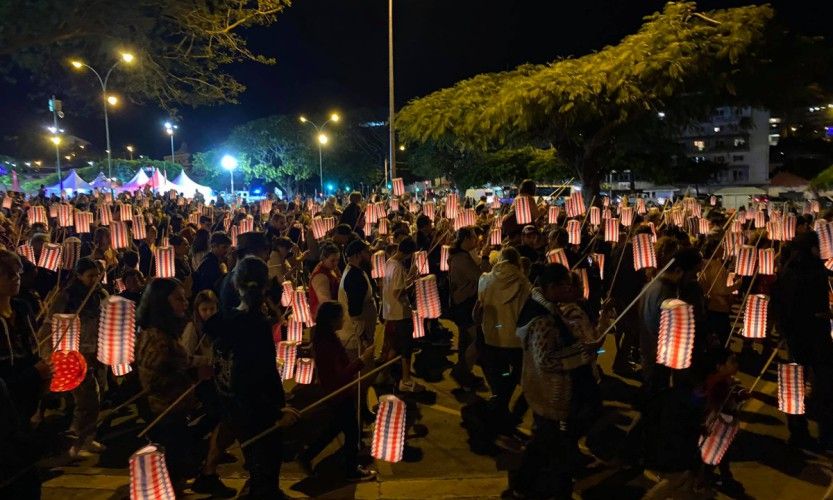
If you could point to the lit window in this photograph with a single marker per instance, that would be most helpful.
(740, 141)
(699, 145)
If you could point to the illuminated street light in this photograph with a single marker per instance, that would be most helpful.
(401, 147)
(169, 129)
(56, 140)
(113, 100)
(322, 140)
(229, 163)
(127, 57)
(130, 150)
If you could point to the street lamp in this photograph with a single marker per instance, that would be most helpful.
(130, 150)
(112, 100)
(169, 129)
(322, 140)
(229, 163)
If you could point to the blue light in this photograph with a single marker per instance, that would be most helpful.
(256, 191)
(329, 187)
(347, 188)
(389, 186)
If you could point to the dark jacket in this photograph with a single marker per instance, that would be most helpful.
(334, 367)
(18, 357)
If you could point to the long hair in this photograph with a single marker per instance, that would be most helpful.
(201, 298)
(326, 319)
(155, 311)
(200, 243)
(251, 277)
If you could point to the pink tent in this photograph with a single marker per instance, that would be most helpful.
(157, 181)
(137, 182)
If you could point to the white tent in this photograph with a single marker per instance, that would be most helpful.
(185, 185)
(100, 182)
(71, 184)
(137, 182)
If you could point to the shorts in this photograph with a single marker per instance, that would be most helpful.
(399, 336)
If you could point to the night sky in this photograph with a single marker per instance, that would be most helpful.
(332, 55)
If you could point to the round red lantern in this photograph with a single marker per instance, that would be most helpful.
(70, 369)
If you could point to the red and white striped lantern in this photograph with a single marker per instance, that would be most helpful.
(677, 217)
(755, 317)
(573, 232)
(247, 225)
(379, 207)
(640, 206)
(676, 334)
(83, 221)
(105, 217)
(557, 256)
(766, 261)
(70, 253)
(37, 214)
(721, 434)
(495, 203)
(595, 216)
(693, 225)
(775, 230)
(116, 334)
(578, 200)
(791, 388)
(736, 226)
(703, 226)
(164, 257)
(125, 212)
(118, 235)
(428, 209)
(552, 214)
(644, 255)
(383, 226)
(50, 256)
(760, 219)
(747, 260)
(599, 260)
(66, 332)
(788, 227)
(139, 228)
(398, 186)
(696, 209)
(394, 205)
(451, 206)
(626, 216)
(377, 261)
(300, 307)
(572, 207)
(319, 230)
(612, 230)
(468, 216)
(445, 250)
(265, 208)
(304, 369)
(421, 262)
(329, 223)
(419, 325)
(27, 252)
(496, 236)
(427, 297)
(65, 215)
(825, 232)
(294, 330)
(286, 294)
(607, 214)
(523, 210)
(370, 215)
(389, 431)
(287, 353)
(194, 218)
(732, 244)
(712, 200)
(149, 479)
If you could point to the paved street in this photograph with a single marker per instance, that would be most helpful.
(442, 460)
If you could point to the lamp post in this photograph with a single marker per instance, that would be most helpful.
(229, 163)
(130, 150)
(112, 100)
(322, 140)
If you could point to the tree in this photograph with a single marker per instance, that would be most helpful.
(274, 149)
(206, 169)
(681, 62)
(182, 47)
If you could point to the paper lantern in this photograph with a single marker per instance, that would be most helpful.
(139, 228)
(703, 226)
(377, 261)
(552, 214)
(421, 262)
(65, 215)
(557, 256)
(265, 208)
(676, 334)
(304, 369)
(50, 256)
(427, 297)
(696, 209)
(428, 209)
(643, 252)
(766, 261)
(329, 223)
(791, 388)
(149, 479)
(398, 186)
(287, 352)
(194, 218)
(368, 229)
(27, 252)
(444, 252)
(572, 207)
(247, 225)
(825, 232)
(578, 200)
(760, 219)
(83, 221)
(523, 210)
(573, 232)
(693, 225)
(605, 201)
(788, 227)
(607, 214)
(677, 218)
(105, 217)
(599, 260)
(286, 294)
(419, 325)
(70, 253)
(730, 280)
(383, 226)
(380, 210)
(640, 206)
(496, 236)
(721, 434)
(66, 332)
(451, 206)
(69, 370)
(713, 200)
(164, 257)
(495, 203)
(319, 230)
(294, 330)
(389, 431)
(747, 259)
(233, 232)
(732, 243)
(37, 214)
(736, 226)
(125, 212)
(118, 284)
(595, 216)
(755, 317)
(469, 217)
(300, 307)
(7, 202)
(626, 216)
(118, 235)
(611, 230)
(584, 279)
(116, 334)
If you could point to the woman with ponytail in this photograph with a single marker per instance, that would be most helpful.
(247, 381)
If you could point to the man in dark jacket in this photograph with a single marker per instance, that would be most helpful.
(210, 271)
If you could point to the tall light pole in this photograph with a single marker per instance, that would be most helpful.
(127, 58)
(229, 163)
(55, 107)
(391, 130)
(130, 150)
(169, 129)
(322, 139)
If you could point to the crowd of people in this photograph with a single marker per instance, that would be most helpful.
(532, 288)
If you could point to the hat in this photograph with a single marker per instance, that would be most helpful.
(530, 229)
(355, 247)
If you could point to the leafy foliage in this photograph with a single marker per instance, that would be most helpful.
(182, 47)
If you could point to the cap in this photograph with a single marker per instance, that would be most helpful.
(355, 247)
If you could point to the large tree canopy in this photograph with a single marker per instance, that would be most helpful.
(183, 47)
(680, 62)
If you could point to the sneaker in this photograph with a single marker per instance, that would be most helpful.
(360, 474)
(410, 386)
(211, 484)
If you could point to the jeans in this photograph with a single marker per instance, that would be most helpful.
(549, 461)
(342, 420)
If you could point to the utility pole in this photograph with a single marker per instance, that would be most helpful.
(391, 130)
(56, 107)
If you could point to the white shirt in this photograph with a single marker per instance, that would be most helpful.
(395, 305)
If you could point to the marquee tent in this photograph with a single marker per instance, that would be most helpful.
(137, 182)
(185, 185)
(71, 184)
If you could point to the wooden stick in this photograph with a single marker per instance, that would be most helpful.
(119, 407)
(323, 400)
(621, 257)
(77, 312)
(766, 366)
(168, 409)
